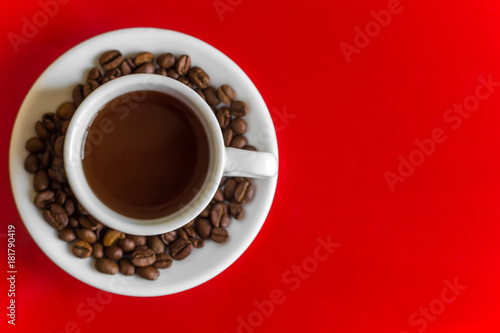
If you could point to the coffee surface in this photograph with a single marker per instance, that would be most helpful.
(146, 155)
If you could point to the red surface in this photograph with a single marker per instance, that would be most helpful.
(347, 125)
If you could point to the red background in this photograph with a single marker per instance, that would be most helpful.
(348, 124)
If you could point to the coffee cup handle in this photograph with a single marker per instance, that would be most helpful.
(252, 164)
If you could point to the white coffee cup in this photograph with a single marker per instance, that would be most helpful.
(223, 161)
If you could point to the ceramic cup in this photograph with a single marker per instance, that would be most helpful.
(224, 161)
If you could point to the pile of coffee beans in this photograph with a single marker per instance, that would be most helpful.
(113, 250)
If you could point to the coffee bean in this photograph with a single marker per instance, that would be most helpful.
(211, 96)
(183, 65)
(56, 216)
(199, 77)
(239, 141)
(180, 249)
(163, 260)
(82, 249)
(220, 215)
(168, 237)
(223, 181)
(182, 234)
(113, 252)
(183, 79)
(67, 235)
(166, 60)
(111, 236)
(96, 74)
(69, 206)
(127, 66)
(35, 145)
(78, 94)
(89, 87)
(86, 235)
(240, 180)
(172, 73)
(97, 250)
(106, 266)
(148, 273)
(138, 240)
(57, 173)
(60, 198)
(236, 210)
(59, 146)
(41, 131)
(88, 222)
(251, 148)
(111, 59)
(66, 110)
(219, 196)
(238, 108)
(230, 188)
(64, 127)
(81, 209)
(44, 198)
(206, 212)
(73, 223)
(156, 244)
(126, 244)
(49, 121)
(147, 68)
(46, 159)
(54, 186)
(226, 94)
(239, 126)
(227, 135)
(198, 243)
(224, 117)
(189, 229)
(161, 71)
(126, 267)
(203, 228)
(32, 163)
(200, 92)
(244, 192)
(143, 257)
(219, 235)
(143, 58)
(112, 74)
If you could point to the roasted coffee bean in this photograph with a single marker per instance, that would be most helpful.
(203, 228)
(89, 87)
(41, 131)
(206, 212)
(126, 267)
(66, 110)
(200, 92)
(166, 60)
(219, 196)
(81, 209)
(44, 198)
(240, 180)
(143, 58)
(59, 146)
(143, 257)
(161, 71)
(46, 159)
(64, 127)
(96, 74)
(113, 252)
(86, 235)
(219, 235)
(198, 243)
(223, 181)
(183, 79)
(180, 249)
(78, 94)
(183, 65)
(111, 59)
(147, 68)
(73, 223)
(226, 94)
(56, 216)
(35, 145)
(60, 197)
(138, 240)
(220, 215)
(97, 250)
(148, 273)
(199, 77)
(182, 234)
(49, 121)
(189, 230)
(67, 235)
(239, 126)
(172, 73)
(236, 210)
(168, 237)
(224, 117)
(126, 244)
(106, 266)
(211, 96)
(88, 222)
(32, 163)
(239, 141)
(163, 260)
(189, 224)
(156, 244)
(57, 173)
(112, 74)
(52, 140)
(55, 186)
(230, 188)
(227, 135)
(111, 236)
(244, 192)
(82, 249)
(127, 66)
(69, 206)
(238, 108)
(251, 148)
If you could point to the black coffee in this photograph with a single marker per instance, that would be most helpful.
(146, 155)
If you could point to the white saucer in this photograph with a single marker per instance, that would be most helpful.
(55, 86)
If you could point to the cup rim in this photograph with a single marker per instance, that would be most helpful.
(75, 139)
